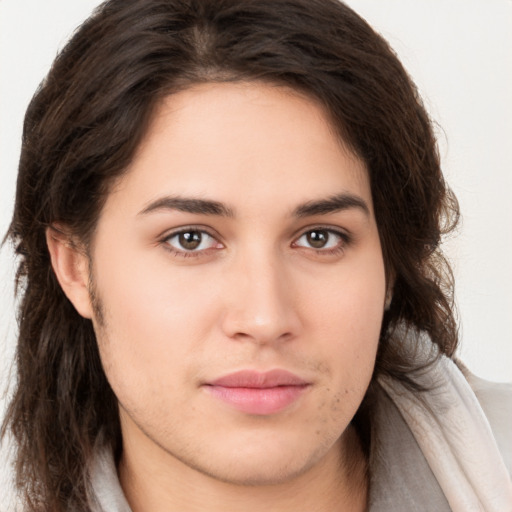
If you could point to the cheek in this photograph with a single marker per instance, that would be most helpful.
(347, 319)
(149, 297)
(155, 324)
(350, 305)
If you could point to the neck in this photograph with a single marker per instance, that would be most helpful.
(337, 482)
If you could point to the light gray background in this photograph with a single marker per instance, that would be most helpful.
(458, 52)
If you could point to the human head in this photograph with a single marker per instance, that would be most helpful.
(91, 113)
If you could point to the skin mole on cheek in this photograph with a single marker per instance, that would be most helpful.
(335, 402)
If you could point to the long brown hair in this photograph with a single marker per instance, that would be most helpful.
(81, 130)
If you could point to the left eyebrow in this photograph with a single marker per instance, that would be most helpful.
(332, 204)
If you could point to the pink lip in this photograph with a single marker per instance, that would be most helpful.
(254, 392)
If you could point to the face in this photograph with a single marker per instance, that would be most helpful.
(239, 273)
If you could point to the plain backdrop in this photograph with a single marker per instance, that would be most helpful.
(459, 52)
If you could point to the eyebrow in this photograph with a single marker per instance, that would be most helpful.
(189, 205)
(198, 206)
(332, 204)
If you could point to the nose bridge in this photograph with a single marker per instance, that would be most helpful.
(262, 307)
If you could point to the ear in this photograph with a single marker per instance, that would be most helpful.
(389, 299)
(389, 291)
(71, 267)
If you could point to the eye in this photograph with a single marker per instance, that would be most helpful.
(322, 239)
(191, 241)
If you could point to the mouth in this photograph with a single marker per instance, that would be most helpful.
(258, 393)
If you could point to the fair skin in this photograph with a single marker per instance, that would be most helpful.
(278, 268)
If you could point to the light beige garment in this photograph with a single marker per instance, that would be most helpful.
(434, 452)
(455, 436)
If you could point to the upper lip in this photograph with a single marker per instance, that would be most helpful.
(259, 380)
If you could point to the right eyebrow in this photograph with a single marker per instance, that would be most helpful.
(188, 205)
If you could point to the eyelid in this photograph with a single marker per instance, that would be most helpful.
(168, 233)
(166, 236)
(337, 230)
(346, 238)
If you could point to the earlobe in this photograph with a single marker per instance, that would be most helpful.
(389, 292)
(389, 299)
(71, 267)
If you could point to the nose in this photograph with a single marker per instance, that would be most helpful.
(260, 306)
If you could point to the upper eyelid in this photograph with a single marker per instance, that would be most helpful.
(169, 233)
(167, 236)
(332, 229)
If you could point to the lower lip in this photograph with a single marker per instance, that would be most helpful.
(262, 401)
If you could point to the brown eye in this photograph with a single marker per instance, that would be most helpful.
(322, 239)
(318, 238)
(190, 240)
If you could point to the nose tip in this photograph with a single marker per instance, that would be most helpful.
(261, 330)
(261, 308)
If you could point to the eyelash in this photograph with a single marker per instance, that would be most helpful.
(345, 240)
(184, 253)
(339, 248)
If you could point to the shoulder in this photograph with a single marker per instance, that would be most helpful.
(463, 431)
(495, 399)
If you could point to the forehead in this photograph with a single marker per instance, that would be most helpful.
(243, 140)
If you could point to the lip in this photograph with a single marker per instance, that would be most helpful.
(260, 393)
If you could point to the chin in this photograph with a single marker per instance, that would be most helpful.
(260, 472)
(261, 464)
